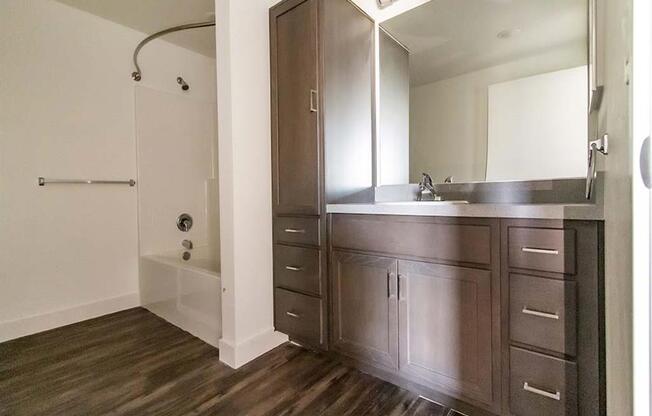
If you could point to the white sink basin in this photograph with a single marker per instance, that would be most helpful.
(431, 203)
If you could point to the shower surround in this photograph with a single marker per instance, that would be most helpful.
(177, 170)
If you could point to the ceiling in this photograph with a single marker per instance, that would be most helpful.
(150, 16)
(452, 37)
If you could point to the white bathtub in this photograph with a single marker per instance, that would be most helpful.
(185, 293)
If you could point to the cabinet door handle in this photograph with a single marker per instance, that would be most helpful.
(389, 277)
(295, 231)
(294, 268)
(293, 315)
(313, 101)
(398, 287)
(540, 314)
(555, 396)
(540, 251)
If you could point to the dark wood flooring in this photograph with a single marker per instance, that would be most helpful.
(134, 363)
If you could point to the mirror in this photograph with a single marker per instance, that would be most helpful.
(484, 90)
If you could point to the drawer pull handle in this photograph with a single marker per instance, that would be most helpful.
(293, 315)
(540, 251)
(294, 268)
(554, 396)
(540, 314)
(295, 231)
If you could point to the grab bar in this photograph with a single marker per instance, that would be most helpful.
(42, 182)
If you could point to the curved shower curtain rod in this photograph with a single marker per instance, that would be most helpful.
(137, 75)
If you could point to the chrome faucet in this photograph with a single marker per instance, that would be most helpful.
(187, 244)
(427, 185)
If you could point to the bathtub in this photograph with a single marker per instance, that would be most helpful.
(185, 293)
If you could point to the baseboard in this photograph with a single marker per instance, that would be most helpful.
(31, 325)
(237, 355)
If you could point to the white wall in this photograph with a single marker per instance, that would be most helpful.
(537, 126)
(449, 118)
(244, 137)
(177, 140)
(67, 110)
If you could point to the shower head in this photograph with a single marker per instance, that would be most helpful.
(184, 85)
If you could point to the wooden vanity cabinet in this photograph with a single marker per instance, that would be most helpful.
(553, 316)
(321, 98)
(365, 308)
(445, 328)
(296, 142)
(489, 316)
(415, 298)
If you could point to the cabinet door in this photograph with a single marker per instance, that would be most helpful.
(295, 101)
(445, 328)
(364, 309)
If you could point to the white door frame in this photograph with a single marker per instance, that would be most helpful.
(641, 215)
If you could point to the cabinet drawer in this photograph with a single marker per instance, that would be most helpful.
(296, 230)
(429, 238)
(541, 385)
(550, 250)
(298, 268)
(299, 316)
(543, 313)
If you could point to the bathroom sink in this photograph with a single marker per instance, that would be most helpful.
(429, 203)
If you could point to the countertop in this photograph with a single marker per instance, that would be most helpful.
(448, 209)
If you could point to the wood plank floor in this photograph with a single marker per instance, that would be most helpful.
(134, 363)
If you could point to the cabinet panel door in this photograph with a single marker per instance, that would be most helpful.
(364, 309)
(445, 328)
(295, 122)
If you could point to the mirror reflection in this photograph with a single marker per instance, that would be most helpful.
(484, 90)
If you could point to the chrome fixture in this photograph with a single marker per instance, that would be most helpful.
(426, 185)
(137, 75)
(545, 251)
(184, 222)
(601, 146)
(187, 244)
(43, 181)
(182, 82)
(550, 395)
(539, 314)
(449, 179)
(186, 255)
(314, 96)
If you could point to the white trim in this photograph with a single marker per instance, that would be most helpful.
(641, 204)
(33, 324)
(236, 355)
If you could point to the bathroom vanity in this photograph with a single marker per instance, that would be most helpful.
(493, 305)
(503, 315)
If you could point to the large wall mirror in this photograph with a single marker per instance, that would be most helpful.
(484, 90)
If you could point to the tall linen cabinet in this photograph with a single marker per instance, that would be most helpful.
(322, 101)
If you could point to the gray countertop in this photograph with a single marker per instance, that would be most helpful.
(435, 209)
